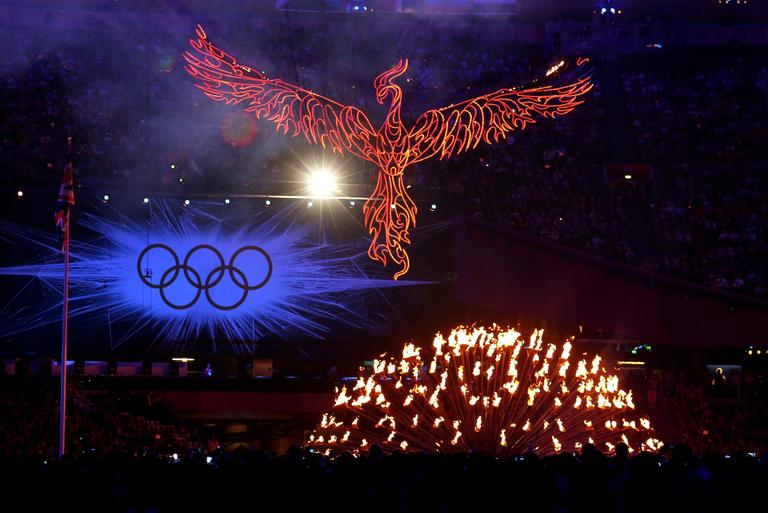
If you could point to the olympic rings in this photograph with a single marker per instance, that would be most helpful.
(193, 277)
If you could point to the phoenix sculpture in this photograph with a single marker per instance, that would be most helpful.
(445, 132)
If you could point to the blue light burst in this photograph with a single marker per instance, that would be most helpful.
(312, 284)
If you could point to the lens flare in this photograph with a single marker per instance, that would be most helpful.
(239, 129)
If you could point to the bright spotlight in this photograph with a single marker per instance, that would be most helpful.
(628, 177)
(322, 184)
(433, 207)
(186, 202)
(226, 201)
(20, 194)
(146, 200)
(268, 203)
(309, 204)
(106, 197)
(351, 203)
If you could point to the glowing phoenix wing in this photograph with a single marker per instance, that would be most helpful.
(456, 129)
(295, 110)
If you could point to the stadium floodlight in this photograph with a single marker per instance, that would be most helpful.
(322, 183)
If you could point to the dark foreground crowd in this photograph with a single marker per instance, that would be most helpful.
(244, 480)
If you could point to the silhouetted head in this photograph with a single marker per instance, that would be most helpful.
(384, 82)
(375, 452)
(622, 451)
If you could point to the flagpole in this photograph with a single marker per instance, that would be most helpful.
(64, 334)
(63, 366)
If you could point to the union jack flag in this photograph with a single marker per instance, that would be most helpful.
(63, 204)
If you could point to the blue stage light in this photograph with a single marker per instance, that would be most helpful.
(311, 283)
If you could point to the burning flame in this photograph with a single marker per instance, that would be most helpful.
(514, 392)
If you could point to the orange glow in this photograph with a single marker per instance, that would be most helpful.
(555, 68)
(540, 406)
(446, 132)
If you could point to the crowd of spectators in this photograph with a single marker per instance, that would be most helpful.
(709, 425)
(99, 424)
(138, 123)
(702, 125)
(708, 410)
(719, 413)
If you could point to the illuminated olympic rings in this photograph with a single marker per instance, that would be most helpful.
(193, 277)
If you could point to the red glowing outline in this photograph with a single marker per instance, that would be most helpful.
(449, 131)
